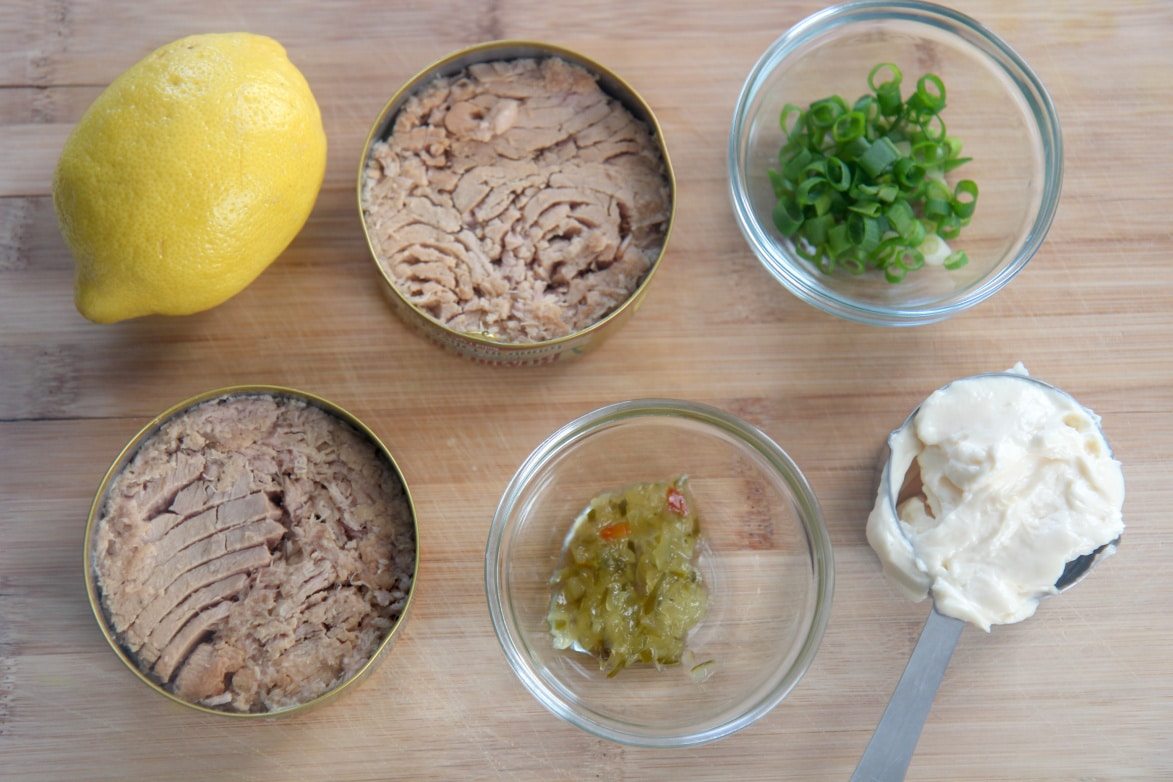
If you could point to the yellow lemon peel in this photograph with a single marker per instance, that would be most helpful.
(188, 176)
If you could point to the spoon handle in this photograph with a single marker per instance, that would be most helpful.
(889, 752)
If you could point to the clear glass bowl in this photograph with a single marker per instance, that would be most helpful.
(765, 557)
(995, 104)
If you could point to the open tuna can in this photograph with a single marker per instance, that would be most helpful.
(517, 199)
(252, 552)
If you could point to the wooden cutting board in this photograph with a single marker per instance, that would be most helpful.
(1082, 691)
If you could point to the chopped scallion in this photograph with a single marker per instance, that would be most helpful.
(862, 186)
(956, 260)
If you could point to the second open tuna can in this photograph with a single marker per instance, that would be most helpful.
(252, 552)
(517, 198)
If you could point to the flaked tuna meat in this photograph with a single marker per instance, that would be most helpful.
(178, 647)
(225, 591)
(516, 200)
(253, 553)
(160, 600)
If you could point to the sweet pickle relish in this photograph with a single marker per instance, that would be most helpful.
(626, 589)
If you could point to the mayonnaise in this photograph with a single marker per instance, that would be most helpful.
(1017, 480)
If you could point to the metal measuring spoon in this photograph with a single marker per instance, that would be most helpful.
(890, 750)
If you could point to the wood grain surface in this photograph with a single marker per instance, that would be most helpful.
(1083, 691)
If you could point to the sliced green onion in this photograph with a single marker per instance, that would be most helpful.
(888, 193)
(893, 71)
(934, 249)
(849, 126)
(932, 128)
(889, 101)
(937, 209)
(949, 228)
(838, 241)
(816, 168)
(956, 260)
(851, 261)
(838, 174)
(823, 113)
(810, 190)
(826, 263)
(794, 166)
(887, 92)
(863, 185)
(861, 191)
(930, 93)
(879, 157)
(900, 216)
(809, 253)
(852, 149)
(777, 182)
(863, 231)
(791, 120)
(908, 174)
(869, 107)
(815, 229)
(788, 217)
(965, 198)
(915, 234)
(936, 188)
(954, 162)
(928, 154)
(866, 208)
(910, 259)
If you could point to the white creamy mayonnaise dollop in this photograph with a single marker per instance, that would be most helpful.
(1017, 481)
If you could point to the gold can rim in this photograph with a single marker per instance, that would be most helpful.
(131, 448)
(509, 49)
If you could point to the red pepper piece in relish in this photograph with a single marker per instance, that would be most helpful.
(617, 531)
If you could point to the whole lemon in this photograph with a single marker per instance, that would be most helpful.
(188, 176)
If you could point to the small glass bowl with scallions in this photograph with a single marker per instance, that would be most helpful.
(894, 163)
